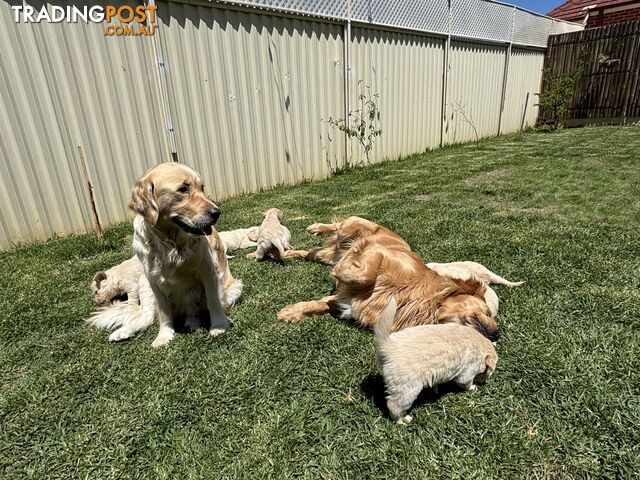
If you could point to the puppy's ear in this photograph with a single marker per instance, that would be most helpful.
(99, 277)
(143, 200)
(280, 214)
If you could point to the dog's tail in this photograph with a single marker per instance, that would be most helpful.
(486, 275)
(115, 316)
(385, 323)
(233, 291)
(498, 280)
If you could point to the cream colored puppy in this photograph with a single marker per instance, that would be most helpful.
(273, 237)
(119, 280)
(239, 238)
(466, 270)
(426, 356)
(458, 269)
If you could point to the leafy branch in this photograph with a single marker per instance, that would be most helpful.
(362, 123)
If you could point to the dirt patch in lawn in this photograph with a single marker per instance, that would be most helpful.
(485, 177)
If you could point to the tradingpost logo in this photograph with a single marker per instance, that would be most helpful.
(118, 20)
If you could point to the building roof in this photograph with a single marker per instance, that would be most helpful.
(575, 9)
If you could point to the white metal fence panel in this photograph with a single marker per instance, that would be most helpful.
(62, 86)
(249, 93)
(523, 82)
(405, 70)
(560, 27)
(475, 88)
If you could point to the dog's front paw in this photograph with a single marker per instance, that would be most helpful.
(163, 339)
(315, 229)
(119, 335)
(214, 332)
(290, 314)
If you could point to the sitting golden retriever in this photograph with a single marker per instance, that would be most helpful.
(186, 273)
(377, 267)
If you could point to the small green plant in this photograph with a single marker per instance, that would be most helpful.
(558, 91)
(362, 123)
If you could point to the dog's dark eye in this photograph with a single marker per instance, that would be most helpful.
(183, 189)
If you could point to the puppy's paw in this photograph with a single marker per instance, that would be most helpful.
(162, 340)
(252, 255)
(473, 387)
(404, 420)
(315, 229)
(214, 332)
(290, 314)
(120, 335)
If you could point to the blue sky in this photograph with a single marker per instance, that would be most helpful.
(539, 6)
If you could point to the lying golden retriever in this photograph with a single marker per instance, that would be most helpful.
(343, 233)
(186, 273)
(377, 267)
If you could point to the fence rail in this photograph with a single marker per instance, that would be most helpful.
(243, 91)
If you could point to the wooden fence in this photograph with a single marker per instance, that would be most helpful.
(608, 90)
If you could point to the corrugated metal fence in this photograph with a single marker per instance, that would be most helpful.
(243, 91)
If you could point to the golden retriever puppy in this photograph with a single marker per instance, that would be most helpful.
(341, 235)
(186, 273)
(466, 270)
(273, 237)
(239, 238)
(426, 356)
(119, 280)
(369, 274)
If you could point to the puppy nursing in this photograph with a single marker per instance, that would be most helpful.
(426, 356)
(117, 281)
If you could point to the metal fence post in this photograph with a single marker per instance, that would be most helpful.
(347, 69)
(162, 87)
(505, 76)
(445, 80)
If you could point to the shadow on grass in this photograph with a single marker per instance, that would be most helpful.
(372, 387)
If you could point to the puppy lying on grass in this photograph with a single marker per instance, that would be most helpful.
(273, 237)
(239, 239)
(117, 281)
(426, 356)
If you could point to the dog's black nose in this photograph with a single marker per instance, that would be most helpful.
(214, 214)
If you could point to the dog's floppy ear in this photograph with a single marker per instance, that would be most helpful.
(97, 278)
(143, 201)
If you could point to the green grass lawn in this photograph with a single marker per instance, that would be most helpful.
(268, 399)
